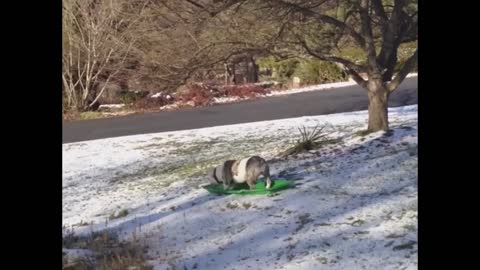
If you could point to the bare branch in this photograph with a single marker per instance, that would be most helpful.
(392, 38)
(368, 35)
(357, 78)
(196, 4)
(237, 8)
(400, 76)
(380, 11)
(409, 32)
(316, 4)
(103, 65)
(325, 19)
(350, 67)
(408, 39)
(110, 75)
(347, 63)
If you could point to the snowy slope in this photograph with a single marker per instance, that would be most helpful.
(354, 205)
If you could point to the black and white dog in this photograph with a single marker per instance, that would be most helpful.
(241, 171)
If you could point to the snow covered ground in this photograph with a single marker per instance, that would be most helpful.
(354, 205)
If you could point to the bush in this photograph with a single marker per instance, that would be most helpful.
(284, 69)
(309, 71)
(128, 97)
(309, 140)
(203, 94)
(315, 72)
(198, 94)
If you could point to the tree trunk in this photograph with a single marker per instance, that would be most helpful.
(252, 71)
(234, 76)
(227, 73)
(377, 107)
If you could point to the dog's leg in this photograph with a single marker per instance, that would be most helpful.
(251, 181)
(266, 174)
(268, 182)
(227, 174)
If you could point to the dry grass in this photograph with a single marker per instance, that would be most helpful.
(74, 115)
(109, 253)
(122, 213)
(309, 140)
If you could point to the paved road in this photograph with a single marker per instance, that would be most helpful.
(346, 99)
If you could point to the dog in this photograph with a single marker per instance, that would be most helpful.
(241, 171)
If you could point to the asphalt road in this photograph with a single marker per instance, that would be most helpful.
(346, 99)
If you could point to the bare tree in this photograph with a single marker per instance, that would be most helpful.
(95, 44)
(172, 44)
(174, 41)
(322, 28)
(179, 41)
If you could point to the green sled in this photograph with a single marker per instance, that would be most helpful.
(243, 189)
